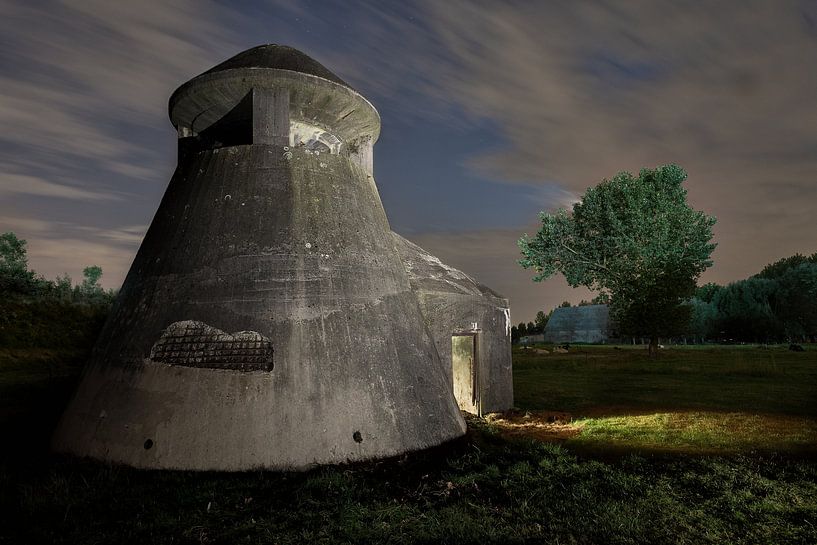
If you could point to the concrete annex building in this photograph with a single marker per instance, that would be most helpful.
(271, 318)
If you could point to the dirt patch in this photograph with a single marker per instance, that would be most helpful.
(543, 425)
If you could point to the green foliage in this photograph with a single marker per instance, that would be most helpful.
(63, 288)
(634, 237)
(35, 312)
(778, 304)
(745, 311)
(90, 281)
(542, 320)
(14, 274)
(50, 323)
(602, 298)
(12, 253)
(565, 304)
(531, 328)
(707, 292)
(779, 268)
(796, 301)
(703, 319)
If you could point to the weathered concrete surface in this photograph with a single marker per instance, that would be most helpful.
(585, 324)
(207, 98)
(271, 318)
(299, 251)
(452, 301)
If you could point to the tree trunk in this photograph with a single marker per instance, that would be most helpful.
(654, 347)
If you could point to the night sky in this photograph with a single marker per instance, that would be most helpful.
(490, 113)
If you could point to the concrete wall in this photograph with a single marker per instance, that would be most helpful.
(452, 301)
(296, 248)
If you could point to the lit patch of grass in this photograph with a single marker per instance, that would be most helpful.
(699, 432)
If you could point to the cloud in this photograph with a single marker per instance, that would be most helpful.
(387, 51)
(31, 185)
(86, 79)
(54, 257)
(83, 98)
(580, 91)
(24, 225)
(571, 92)
(56, 247)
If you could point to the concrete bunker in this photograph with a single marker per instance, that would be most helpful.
(252, 250)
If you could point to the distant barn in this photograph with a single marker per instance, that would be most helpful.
(532, 339)
(585, 324)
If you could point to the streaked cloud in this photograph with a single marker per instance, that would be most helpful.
(83, 96)
(84, 82)
(54, 257)
(56, 247)
(550, 97)
(581, 91)
(30, 185)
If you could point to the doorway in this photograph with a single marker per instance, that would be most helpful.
(465, 370)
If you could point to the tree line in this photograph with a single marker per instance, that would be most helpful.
(777, 304)
(42, 313)
(635, 240)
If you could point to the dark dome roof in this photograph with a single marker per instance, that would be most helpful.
(277, 56)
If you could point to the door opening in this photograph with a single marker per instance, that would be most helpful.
(465, 371)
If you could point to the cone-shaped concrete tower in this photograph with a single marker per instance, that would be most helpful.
(267, 320)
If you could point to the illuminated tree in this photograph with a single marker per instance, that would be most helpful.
(634, 238)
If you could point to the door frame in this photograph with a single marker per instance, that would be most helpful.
(476, 374)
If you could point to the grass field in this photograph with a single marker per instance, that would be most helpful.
(695, 399)
(678, 450)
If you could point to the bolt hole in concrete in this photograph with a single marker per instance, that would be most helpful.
(148, 444)
(357, 437)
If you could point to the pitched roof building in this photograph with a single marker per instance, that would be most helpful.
(583, 324)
